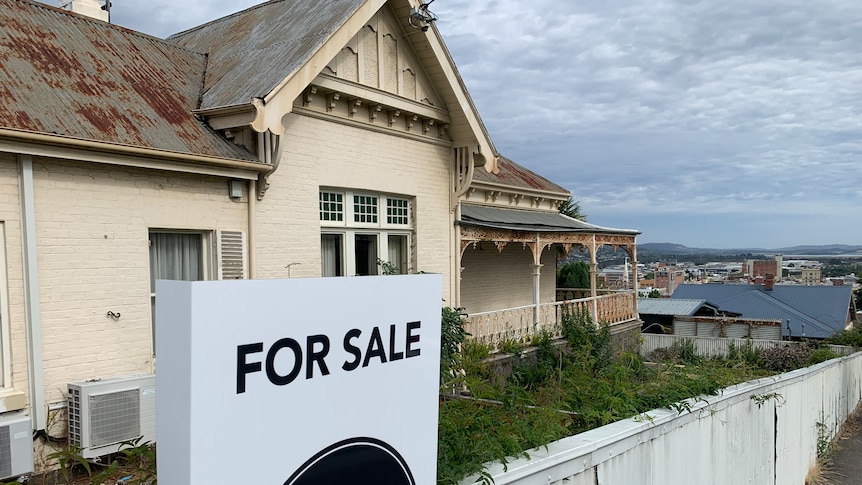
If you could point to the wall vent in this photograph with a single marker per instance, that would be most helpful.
(232, 255)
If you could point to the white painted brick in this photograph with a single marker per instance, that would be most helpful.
(319, 153)
(92, 224)
(494, 280)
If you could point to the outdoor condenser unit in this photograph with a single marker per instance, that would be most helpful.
(16, 445)
(105, 413)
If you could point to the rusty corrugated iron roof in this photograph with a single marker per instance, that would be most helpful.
(70, 75)
(514, 175)
(252, 51)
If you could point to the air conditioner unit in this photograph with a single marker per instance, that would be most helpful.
(16, 445)
(105, 413)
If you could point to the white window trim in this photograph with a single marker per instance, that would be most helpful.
(5, 332)
(348, 229)
(207, 249)
(207, 257)
(348, 247)
(382, 221)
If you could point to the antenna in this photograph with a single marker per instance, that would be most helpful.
(107, 8)
(421, 18)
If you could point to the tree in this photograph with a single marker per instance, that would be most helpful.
(654, 293)
(858, 299)
(574, 275)
(572, 208)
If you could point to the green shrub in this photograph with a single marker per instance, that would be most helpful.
(852, 337)
(681, 352)
(590, 345)
(511, 346)
(452, 335)
(746, 353)
(821, 355)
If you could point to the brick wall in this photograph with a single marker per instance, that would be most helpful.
(318, 153)
(494, 280)
(92, 224)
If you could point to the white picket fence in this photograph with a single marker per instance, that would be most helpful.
(762, 432)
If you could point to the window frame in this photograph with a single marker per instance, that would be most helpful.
(5, 331)
(348, 229)
(208, 264)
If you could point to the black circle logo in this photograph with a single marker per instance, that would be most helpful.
(356, 461)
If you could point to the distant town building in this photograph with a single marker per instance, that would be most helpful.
(668, 278)
(754, 268)
(811, 276)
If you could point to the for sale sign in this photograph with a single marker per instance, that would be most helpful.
(296, 382)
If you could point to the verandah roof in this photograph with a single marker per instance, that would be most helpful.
(531, 221)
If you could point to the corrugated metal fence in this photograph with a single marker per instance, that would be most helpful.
(763, 432)
(714, 346)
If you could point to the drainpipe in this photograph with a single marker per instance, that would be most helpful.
(252, 204)
(32, 317)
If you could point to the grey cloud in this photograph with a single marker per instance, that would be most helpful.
(710, 111)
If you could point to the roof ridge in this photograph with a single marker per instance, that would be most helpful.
(221, 19)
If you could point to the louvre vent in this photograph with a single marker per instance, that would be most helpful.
(115, 417)
(5, 452)
(74, 407)
(232, 255)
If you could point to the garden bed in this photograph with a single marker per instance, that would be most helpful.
(565, 390)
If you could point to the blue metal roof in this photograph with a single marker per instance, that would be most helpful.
(815, 311)
(665, 306)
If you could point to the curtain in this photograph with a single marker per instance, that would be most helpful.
(175, 256)
(330, 255)
(398, 252)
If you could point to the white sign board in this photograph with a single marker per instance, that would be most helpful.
(301, 381)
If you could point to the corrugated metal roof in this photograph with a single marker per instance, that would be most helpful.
(65, 74)
(821, 309)
(515, 175)
(665, 306)
(70, 75)
(526, 220)
(252, 51)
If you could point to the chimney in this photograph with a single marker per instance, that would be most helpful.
(90, 8)
(769, 282)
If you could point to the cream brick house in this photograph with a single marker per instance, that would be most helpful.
(293, 139)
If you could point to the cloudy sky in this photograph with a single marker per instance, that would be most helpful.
(720, 123)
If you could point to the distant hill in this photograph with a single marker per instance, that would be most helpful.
(825, 249)
(681, 250)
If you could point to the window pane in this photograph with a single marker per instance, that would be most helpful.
(366, 254)
(331, 263)
(396, 211)
(365, 209)
(175, 256)
(398, 253)
(331, 206)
